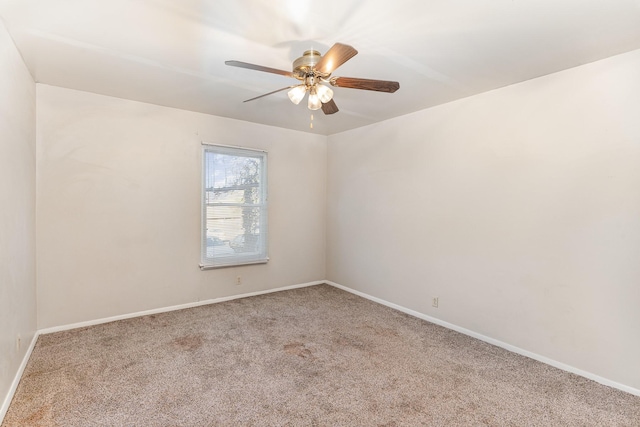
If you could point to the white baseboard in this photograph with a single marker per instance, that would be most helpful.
(493, 341)
(171, 308)
(16, 379)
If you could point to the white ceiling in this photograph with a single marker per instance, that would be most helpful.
(172, 52)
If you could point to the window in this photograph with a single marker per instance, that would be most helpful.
(234, 206)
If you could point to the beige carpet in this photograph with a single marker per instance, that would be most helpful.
(309, 357)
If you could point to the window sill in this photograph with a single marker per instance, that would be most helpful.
(237, 264)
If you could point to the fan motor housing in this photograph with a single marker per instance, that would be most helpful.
(303, 65)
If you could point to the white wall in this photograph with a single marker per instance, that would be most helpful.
(518, 208)
(17, 210)
(119, 206)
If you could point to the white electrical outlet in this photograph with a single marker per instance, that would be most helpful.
(18, 342)
(434, 302)
(239, 280)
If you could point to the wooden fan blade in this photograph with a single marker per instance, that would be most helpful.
(335, 57)
(270, 93)
(330, 107)
(366, 84)
(259, 68)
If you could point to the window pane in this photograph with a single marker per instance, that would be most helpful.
(230, 171)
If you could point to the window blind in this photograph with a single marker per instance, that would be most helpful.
(234, 206)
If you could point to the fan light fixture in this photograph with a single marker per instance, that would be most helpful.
(297, 93)
(318, 95)
(324, 93)
(314, 100)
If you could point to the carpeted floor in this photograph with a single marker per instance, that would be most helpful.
(314, 356)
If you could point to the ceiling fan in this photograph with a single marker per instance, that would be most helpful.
(312, 70)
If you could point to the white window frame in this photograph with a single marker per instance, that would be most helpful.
(259, 257)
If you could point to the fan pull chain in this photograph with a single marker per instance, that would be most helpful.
(311, 123)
